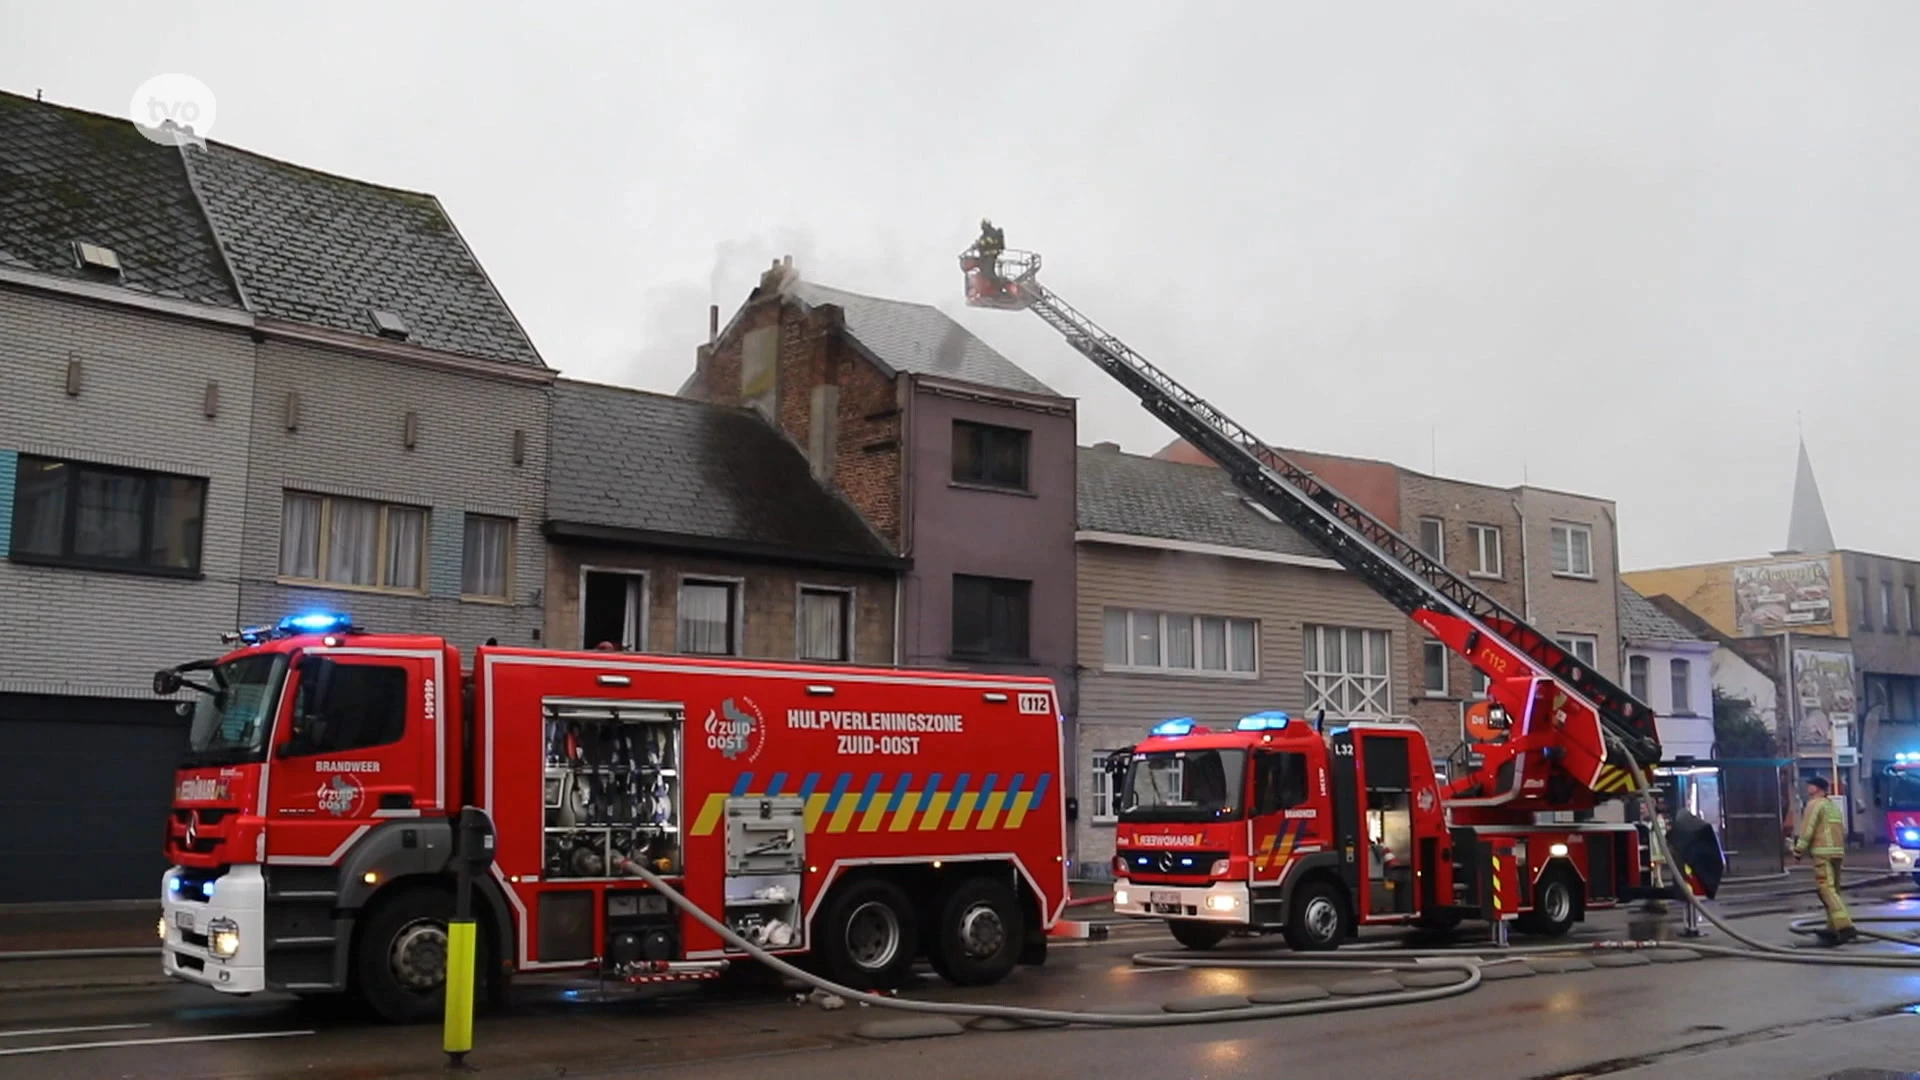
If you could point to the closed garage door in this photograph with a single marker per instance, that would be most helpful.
(85, 784)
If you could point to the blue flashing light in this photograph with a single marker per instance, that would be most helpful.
(1270, 720)
(1903, 758)
(1179, 725)
(317, 622)
(1910, 836)
(173, 884)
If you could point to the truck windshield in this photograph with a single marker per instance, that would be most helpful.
(1903, 790)
(1185, 785)
(230, 724)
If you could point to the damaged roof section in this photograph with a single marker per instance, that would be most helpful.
(631, 467)
(920, 339)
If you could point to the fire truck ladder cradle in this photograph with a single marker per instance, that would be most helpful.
(1396, 569)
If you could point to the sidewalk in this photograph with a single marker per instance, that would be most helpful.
(119, 924)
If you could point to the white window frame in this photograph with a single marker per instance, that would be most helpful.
(738, 614)
(637, 613)
(1427, 647)
(1374, 682)
(1682, 704)
(506, 577)
(1165, 621)
(380, 568)
(1480, 534)
(1646, 676)
(1439, 552)
(1101, 789)
(1568, 528)
(1572, 642)
(847, 638)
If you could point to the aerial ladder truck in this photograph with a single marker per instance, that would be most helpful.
(1279, 825)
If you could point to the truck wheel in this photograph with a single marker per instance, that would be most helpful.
(1553, 906)
(979, 933)
(867, 936)
(400, 958)
(1317, 918)
(1196, 935)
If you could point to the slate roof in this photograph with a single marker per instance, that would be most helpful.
(320, 249)
(68, 175)
(1640, 620)
(921, 339)
(1168, 500)
(305, 246)
(639, 467)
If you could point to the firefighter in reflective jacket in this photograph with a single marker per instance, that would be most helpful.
(1823, 834)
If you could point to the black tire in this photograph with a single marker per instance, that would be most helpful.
(1555, 905)
(978, 934)
(1196, 935)
(867, 935)
(408, 933)
(1318, 918)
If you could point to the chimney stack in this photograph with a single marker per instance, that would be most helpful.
(713, 322)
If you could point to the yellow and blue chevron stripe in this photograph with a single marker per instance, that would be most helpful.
(892, 804)
(1274, 852)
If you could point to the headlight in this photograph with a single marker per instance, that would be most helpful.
(163, 928)
(224, 935)
(1220, 902)
(1119, 896)
(1220, 868)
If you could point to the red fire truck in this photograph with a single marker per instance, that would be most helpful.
(1276, 825)
(865, 818)
(1900, 787)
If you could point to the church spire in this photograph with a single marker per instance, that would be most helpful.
(1807, 530)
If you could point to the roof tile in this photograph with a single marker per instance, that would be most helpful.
(922, 340)
(1143, 496)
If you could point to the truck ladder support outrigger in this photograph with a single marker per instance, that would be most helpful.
(1573, 730)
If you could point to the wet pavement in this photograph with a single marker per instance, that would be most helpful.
(1628, 1022)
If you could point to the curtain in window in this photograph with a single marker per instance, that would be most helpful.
(823, 629)
(178, 504)
(108, 524)
(484, 570)
(406, 544)
(353, 539)
(40, 523)
(300, 537)
(706, 616)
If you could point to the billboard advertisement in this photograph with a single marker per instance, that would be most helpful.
(1823, 684)
(1788, 595)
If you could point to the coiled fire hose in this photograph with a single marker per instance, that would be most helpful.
(1371, 960)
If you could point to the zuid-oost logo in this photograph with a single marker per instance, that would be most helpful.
(737, 730)
(173, 110)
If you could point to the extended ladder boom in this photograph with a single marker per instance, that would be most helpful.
(1395, 568)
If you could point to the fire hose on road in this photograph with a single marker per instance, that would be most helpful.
(1373, 960)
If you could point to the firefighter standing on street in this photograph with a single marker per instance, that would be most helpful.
(1823, 834)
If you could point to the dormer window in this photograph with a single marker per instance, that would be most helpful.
(95, 257)
(388, 323)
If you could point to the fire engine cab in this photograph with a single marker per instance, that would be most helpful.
(865, 818)
(1901, 784)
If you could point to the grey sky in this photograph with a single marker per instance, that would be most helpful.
(1615, 246)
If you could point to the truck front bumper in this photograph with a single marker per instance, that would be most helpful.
(198, 930)
(1223, 901)
(1902, 860)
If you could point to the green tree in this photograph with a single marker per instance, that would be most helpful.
(1738, 731)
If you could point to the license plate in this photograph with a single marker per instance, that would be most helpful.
(183, 920)
(1164, 901)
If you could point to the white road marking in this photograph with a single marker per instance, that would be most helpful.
(111, 1043)
(69, 1030)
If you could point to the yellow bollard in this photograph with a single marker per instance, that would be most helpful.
(457, 1032)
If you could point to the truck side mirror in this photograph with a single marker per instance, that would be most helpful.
(309, 710)
(474, 845)
(166, 682)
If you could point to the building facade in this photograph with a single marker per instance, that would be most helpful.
(229, 387)
(1194, 602)
(1549, 556)
(678, 526)
(1669, 668)
(957, 458)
